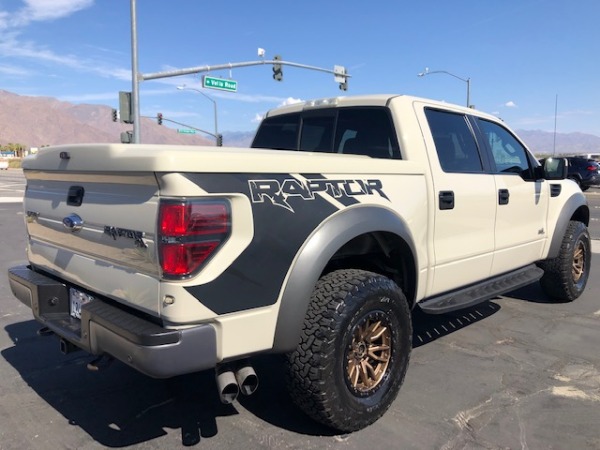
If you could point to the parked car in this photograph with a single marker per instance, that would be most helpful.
(583, 171)
(3, 164)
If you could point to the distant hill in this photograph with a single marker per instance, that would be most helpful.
(542, 142)
(238, 138)
(38, 121)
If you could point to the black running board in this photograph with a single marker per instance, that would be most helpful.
(480, 292)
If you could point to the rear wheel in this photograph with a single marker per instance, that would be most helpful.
(565, 276)
(354, 350)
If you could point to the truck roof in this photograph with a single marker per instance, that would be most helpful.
(371, 100)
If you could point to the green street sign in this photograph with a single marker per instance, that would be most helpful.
(219, 83)
(186, 131)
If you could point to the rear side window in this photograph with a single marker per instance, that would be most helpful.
(354, 130)
(454, 142)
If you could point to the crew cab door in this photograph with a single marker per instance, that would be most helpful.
(465, 195)
(522, 205)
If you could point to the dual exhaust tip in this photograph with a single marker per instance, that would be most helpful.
(232, 381)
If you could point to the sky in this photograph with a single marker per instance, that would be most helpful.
(534, 63)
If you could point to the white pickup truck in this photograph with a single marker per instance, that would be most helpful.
(316, 243)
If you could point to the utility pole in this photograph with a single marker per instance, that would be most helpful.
(183, 87)
(466, 80)
(135, 88)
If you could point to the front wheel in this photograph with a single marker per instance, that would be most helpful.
(354, 350)
(566, 276)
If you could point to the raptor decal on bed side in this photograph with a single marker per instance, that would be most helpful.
(279, 192)
(255, 278)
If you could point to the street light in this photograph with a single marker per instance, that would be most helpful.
(185, 88)
(466, 80)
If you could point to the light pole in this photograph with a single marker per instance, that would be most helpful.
(185, 88)
(466, 80)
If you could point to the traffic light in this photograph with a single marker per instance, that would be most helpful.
(277, 70)
(340, 76)
(159, 118)
(125, 112)
(219, 140)
(127, 137)
(114, 115)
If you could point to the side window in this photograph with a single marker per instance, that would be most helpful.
(278, 132)
(508, 153)
(454, 142)
(366, 131)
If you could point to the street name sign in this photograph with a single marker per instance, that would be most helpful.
(219, 83)
(186, 131)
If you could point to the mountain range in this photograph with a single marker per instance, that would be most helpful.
(39, 121)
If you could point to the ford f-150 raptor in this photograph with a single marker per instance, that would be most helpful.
(315, 243)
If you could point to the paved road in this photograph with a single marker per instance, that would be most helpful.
(515, 372)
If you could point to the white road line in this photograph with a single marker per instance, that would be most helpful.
(11, 199)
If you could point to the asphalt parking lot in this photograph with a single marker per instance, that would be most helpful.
(515, 372)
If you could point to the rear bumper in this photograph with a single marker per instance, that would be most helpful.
(104, 328)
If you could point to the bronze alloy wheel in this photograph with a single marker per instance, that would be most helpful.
(578, 261)
(354, 349)
(369, 353)
(566, 275)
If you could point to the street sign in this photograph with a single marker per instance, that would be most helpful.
(186, 131)
(219, 83)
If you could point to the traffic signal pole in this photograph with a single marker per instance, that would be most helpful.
(339, 72)
(135, 88)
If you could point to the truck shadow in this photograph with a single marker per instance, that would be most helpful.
(118, 406)
(429, 327)
(533, 293)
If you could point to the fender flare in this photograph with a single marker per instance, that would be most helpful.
(314, 255)
(569, 209)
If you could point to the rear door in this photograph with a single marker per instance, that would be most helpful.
(465, 209)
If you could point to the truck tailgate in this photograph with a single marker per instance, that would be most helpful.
(96, 230)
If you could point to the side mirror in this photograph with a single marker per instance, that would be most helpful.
(555, 168)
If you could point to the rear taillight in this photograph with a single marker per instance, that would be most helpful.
(190, 233)
(592, 168)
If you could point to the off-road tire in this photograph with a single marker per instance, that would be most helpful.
(353, 315)
(566, 276)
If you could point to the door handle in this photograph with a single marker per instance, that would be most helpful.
(503, 196)
(75, 196)
(446, 199)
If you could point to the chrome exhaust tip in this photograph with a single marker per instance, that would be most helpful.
(247, 379)
(227, 385)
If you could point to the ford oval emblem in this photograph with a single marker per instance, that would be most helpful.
(73, 222)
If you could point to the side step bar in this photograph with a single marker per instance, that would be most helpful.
(480, 292)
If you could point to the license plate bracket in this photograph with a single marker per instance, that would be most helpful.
(77, 299)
